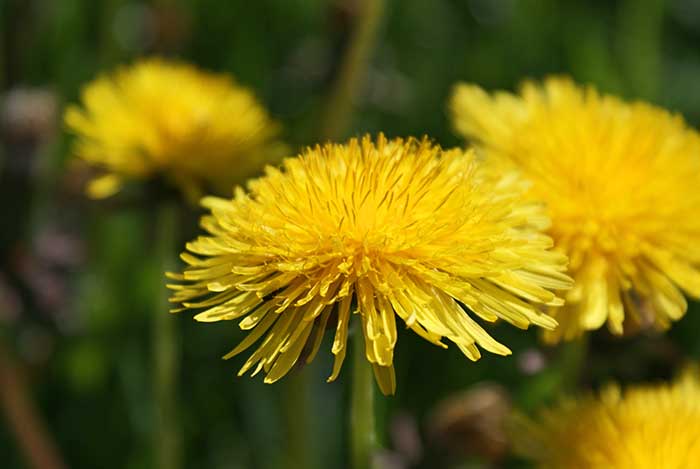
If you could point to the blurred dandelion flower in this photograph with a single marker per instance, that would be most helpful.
(643, 427)
(378, 229)
(200, 131)
(621, 184)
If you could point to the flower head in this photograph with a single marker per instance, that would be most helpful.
(157, 118)
(379, 229)
(620, 182)
(645, 427)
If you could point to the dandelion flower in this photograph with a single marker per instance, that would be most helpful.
(375, 229)
(200, 131)
(645, 427)
(620, 181)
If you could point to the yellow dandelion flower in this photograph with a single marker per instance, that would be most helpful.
(378, 229)
(167, 119)
(620, 181)
(645, 427)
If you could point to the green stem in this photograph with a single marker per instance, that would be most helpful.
(353, 69)
(167, 435)
(296, 415)
(363, 438)
(572, 362)
(640, 29)
(109, 51)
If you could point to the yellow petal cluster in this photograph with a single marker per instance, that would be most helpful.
(155, 118)
(620, 181)
(644, 427)
(373, 229)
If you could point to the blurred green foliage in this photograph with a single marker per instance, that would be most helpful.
(92, 378)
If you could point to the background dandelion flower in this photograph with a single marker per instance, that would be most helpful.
(643, 427)
(158, 118)
(385, 229)
(620, 181)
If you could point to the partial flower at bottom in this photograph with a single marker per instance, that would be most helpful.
(643, 427)
(371, 230)
(620, 181)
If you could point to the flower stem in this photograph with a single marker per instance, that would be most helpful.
(640, 29)
(363, 436)
(573, 362)
(33, 438)
(167, 435)
(296, 419)
(352, 69)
